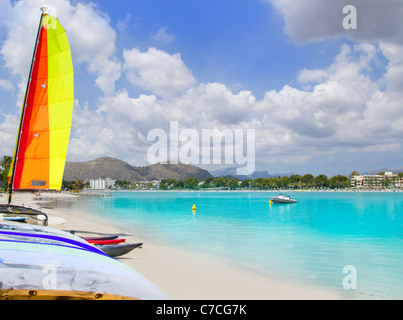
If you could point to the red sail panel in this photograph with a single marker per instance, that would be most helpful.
(32, 166)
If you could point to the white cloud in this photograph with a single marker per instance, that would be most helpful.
(343, 109)
(341, 106)
(140, 113)
(8, 134)
(210, 104)
(163, 36)
(6, 85)
(108, 70)
(157, 71)
(123, 24)
(337, 111)
(309, 76)
(87, 139)
(89, 33)
(130, 119)
(118, 128)
(394, 74)
(92, 39)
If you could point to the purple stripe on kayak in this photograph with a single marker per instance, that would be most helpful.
(47, 244)
(83, 245)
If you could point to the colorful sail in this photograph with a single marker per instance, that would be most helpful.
(45, 124)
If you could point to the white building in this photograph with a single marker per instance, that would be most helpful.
(102, 183)
(389, 179)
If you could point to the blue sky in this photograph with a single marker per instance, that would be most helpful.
(240, 43)
(320, 98)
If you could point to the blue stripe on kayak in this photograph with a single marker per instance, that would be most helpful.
(83, 245)
(46, 244)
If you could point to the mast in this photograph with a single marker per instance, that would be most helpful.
(10, 186)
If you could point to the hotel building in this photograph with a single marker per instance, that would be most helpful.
(389, 179)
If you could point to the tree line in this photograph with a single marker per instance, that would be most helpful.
(294, 181)
(229, 183)
(5, 164)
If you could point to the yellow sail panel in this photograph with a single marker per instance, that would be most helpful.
(47, 111)
(60, 101)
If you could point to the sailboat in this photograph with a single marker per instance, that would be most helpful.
(45, 123)
(38, 262)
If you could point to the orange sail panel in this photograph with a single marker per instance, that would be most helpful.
(47, 112)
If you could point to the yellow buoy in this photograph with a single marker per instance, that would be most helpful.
(194, 207)
(270, 202)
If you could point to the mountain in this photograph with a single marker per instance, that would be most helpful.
(224, 172)
(231, 172)
(376, 171)
(117, 169)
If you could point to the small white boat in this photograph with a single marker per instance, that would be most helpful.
(282, 199)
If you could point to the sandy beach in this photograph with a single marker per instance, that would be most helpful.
(179, 273)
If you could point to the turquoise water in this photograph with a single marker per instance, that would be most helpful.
(310, 241)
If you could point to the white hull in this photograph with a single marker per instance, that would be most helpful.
(283, 199)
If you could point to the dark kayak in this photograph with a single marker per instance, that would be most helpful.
(100, 238)
(116, 250)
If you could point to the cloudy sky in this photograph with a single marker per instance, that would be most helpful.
(320, 98)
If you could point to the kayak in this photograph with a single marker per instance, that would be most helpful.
(11, 208)
(35, 271)
(40, 234)
(48, 235)
(44, 263)
(114, 241)
(32, 215)
(17, 219)
(30, 228)
(46, 239)
(116, 250)
(100, 238)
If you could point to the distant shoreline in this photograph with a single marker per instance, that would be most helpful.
(246, 190)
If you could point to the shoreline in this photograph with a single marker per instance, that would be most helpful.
(245, 191)
(181, 274)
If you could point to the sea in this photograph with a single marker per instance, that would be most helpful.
(349, 242)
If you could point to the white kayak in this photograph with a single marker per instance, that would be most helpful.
(52, 264)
